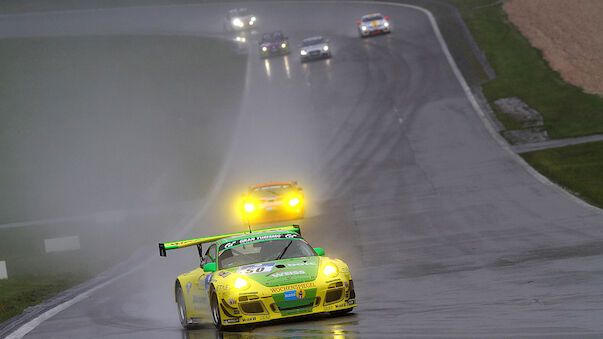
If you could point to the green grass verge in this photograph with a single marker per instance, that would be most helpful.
(20, 293)
(522, 72)
(579, 168)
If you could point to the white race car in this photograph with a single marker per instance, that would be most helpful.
(315, 48)
(239, 19)
(372, 24)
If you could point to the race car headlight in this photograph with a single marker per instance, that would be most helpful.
(241, 283)
(329, 270)
(294, 201)
(264, 48)
(249, 207)
(303, 52)
(363, 28)
(237, 22)
(283, 45)
(386, 24)
(253, 19)
(325, 48)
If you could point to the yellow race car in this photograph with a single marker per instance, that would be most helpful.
(273, 201)
(251, 277)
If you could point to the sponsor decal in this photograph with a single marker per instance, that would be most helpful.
(208, 281)
(249, 319)
(301, 264)
(221, 287)
(351, 302)
(197, 299)
(290, 295)
(188, 287)
(231, 301)
(255, 269)
(224, 274)
(285, 273)
(301, 294)
(230, 321)
(301, 286)
(230, 244)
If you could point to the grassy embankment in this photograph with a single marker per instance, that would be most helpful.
(88, 124)
(578, 168)
(567, 111)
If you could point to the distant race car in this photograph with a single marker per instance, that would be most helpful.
(372, 24)
(254, 277)
(239, 19)
(273, 201)
(315, 48)
(274, 43)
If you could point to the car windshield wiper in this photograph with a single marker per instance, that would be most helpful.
(284, 250)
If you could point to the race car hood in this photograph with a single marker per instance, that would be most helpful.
(273, 43)
(314, 47)
(282, 272)
(373, 23)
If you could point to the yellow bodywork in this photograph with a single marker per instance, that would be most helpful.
(258, 303)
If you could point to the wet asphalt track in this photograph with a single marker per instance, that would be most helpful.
(445, 233)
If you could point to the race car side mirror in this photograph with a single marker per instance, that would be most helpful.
(319, 251)
(211, 267)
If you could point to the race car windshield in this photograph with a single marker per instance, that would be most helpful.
(240, 12)
(271, 190)
(315, 41)
(274, 37)
(372, 18)
(262, 251)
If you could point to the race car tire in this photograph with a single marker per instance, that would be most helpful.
(340, 312)
(182, 315)
(215, 310)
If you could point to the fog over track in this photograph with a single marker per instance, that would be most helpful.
(446, 234)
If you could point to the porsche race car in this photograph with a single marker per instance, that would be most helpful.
(315, 48)
(274, 43)
(239, 19)
(252, 277)
(372, 24)
(273, 201)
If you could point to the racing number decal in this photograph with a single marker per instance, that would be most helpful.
(255, 269)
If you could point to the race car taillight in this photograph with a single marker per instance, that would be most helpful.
(386, 18)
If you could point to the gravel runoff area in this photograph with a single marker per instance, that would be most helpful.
(569, 35)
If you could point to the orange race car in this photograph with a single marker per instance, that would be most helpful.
(273, 201)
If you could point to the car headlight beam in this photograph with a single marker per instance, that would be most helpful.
(386, 24)
(249, 207)
(241, 283)
(325, 48)
(283, 45)
(330, 270)
(237, 22)
(264, 48)
(363, 28)
(303, 52)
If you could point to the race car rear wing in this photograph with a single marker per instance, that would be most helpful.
(165, 246)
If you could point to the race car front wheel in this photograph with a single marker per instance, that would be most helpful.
(181, 307)
(215, 310)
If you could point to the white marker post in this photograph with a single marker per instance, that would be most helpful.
(3, 271)
(62, 244)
